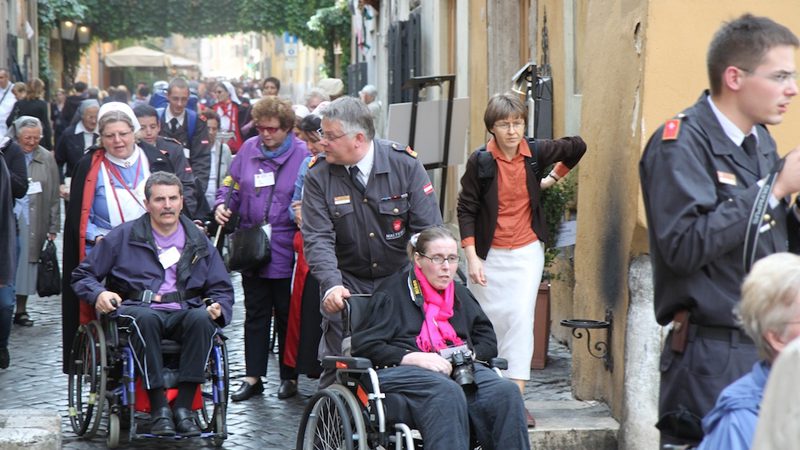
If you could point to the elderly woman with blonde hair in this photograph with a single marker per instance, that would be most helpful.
(770, 315)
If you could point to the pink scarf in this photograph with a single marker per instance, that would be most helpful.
(436, 329)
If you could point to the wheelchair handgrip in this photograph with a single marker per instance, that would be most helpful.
(114, 302)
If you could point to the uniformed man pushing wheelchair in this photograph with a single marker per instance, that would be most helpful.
(155, 272)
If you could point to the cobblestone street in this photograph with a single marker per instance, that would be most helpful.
(34, 380)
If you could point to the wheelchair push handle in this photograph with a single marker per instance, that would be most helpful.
(114, 302)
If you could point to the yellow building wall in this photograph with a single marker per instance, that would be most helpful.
(643, 63)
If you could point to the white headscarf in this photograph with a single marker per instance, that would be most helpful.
(121, 107)
(231, 92)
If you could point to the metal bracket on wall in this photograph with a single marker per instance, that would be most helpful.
(601, 349)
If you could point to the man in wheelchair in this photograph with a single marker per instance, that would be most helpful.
(158, 269)
(413, 319)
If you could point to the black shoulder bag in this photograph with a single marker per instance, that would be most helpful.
(250, 248)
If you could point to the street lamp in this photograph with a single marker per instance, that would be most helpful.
(68, 30)
(83, 34)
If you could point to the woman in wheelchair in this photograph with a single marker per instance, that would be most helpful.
(416, 317)
(162, 266)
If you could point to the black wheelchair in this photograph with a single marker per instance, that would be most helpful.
(353, 413)
(103, 379)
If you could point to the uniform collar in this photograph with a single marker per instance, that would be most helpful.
(168, 116)
(127, 162)
(79, 128)
(732, 131)
(367, 162)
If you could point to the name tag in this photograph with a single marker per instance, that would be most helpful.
(169, 258)
(34, 187)
(341, 200)
(264, 179)
(726, 178)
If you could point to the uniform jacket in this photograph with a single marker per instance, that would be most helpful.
(251, 202)
(17, 168)
(8, 233)
(173, 150)
(126, 260)
(698, 192)
(69, 151)
(477, 213)
(45, 207)
(84, 181)
(351, 237)
(198, 144)
(393, 321)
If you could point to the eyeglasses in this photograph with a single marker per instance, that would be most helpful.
(34, 138)
(120, 135)
(506, 126)
(781, 77)
(439, 259)
(329, 137)
(270, 130)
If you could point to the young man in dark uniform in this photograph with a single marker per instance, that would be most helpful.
(361, 202)
(701, 176)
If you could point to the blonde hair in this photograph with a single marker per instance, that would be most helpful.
(770, 298)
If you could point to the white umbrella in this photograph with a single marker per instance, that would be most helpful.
(137, 57)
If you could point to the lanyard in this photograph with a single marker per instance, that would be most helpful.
(113, 171)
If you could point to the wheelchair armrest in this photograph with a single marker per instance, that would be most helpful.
(500, 363)
(345, 362)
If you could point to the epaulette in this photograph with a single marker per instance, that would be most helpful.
(672, 128)
(314, 159)
(171, 139)
(202, 117)
(407, 150)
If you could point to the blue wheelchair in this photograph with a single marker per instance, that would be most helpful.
(104, 387)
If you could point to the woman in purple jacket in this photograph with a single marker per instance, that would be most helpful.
(264, 171)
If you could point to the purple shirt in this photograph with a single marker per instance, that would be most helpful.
(165, 244)
(251, 202)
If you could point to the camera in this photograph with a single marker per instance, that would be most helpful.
(463, 371)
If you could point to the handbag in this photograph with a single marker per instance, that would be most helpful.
(48, 275)
(250, 247)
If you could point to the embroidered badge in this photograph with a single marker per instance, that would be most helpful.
(671, 130)
(397, 225)
(428, 189)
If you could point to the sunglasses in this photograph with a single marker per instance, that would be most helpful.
(270, 130)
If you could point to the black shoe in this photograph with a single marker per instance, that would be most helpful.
(23, 319)
(185, 423)
(247, 390)
(161, 422)
(5, 358)
(288, 389)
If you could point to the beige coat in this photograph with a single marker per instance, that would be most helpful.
(45, 207)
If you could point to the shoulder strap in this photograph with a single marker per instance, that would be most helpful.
(486, 169)
(191, 118)
(533, 159)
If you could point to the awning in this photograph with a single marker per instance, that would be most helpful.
(178, 61)
(137, 57)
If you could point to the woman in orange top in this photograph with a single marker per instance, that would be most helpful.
(502, 224)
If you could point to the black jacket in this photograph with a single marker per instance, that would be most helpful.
(38, 109)
(69, 151)
(393, 321)
(18, 169)
(478, 201)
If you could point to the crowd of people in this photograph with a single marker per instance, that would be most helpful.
(347, 214)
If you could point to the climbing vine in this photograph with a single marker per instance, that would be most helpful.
(112, 20)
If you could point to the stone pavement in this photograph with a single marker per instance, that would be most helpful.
(35, 381)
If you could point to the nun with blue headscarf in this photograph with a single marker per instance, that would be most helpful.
(38, 213)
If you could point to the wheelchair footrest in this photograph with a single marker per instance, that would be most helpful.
(345, 362)
(500, 363)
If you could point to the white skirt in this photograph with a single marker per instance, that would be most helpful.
(509, 300)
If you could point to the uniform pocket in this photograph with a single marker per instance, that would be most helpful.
(342, 217)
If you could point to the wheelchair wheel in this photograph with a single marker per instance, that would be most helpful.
(325, 423)
(217, 374)
(87, 379)
(357, 423)
(112, 440)
(218, 426)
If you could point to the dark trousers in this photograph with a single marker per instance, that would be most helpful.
(192, 328)
(691, 381)
(444, 414)
(261, 296)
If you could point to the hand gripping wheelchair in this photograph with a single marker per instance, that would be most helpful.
(353, 413)
(103, 378)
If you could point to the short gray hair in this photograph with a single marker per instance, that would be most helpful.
(770, 299)
(26, 122)
(353, 114)
(161, 179)
(112, 117)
